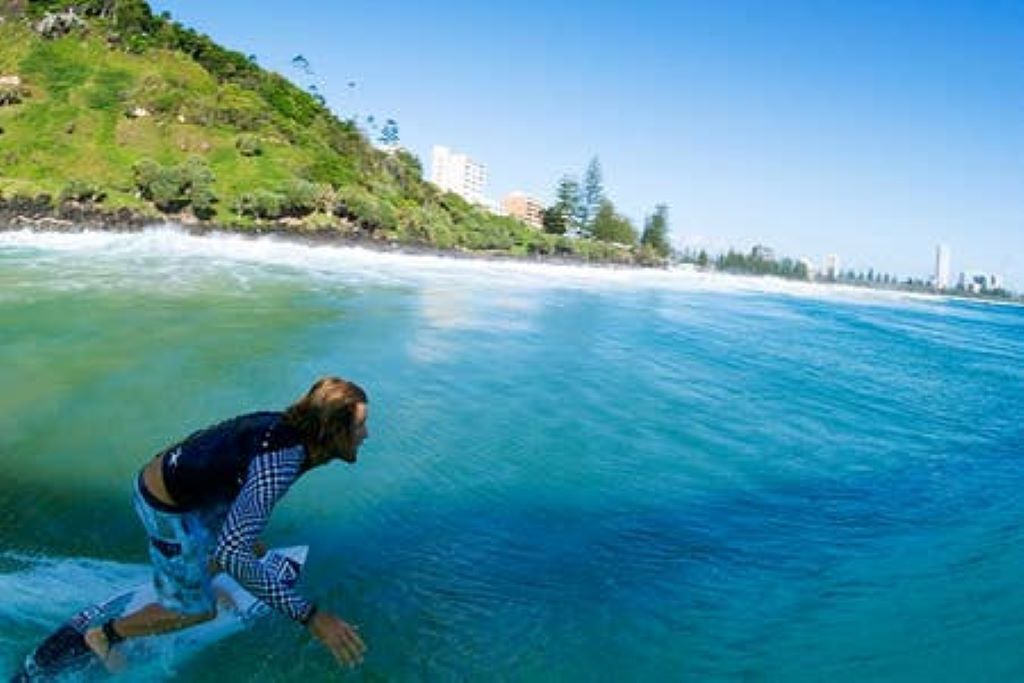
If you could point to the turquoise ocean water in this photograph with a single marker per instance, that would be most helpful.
(572, 474)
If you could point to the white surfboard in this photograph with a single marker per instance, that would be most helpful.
(64, 651)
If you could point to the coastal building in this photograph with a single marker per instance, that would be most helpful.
(808, 265)
(976, 282)
(830, 267)
(942, 259)
(456, 172)
(525, 208)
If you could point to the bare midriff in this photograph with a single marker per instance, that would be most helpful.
(153, 478)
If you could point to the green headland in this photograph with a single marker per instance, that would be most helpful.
(113, 116)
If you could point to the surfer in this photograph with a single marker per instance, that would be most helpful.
(205, 501)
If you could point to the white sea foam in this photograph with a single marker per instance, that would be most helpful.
(46, 591)
(41, 593)
(170, 255)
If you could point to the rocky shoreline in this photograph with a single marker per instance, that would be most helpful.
(39, 214)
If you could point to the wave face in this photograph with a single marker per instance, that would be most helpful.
(573, 473)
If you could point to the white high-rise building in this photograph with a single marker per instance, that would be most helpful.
(456, 172)
(830, 267)
(942, 267)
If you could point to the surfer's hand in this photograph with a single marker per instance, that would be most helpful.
(339, 637)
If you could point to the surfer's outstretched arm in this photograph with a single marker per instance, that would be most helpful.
(268, 479)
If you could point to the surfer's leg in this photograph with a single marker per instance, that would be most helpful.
(101, 640)
(150, 620)
(154, 619)
(179, 547)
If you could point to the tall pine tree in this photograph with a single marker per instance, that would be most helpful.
(592, 196)
(656, 231)
(568, 203)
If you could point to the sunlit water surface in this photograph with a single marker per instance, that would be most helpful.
(572, 474)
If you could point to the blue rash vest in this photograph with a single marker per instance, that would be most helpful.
(210, 466)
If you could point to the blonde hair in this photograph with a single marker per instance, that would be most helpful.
(327, 411)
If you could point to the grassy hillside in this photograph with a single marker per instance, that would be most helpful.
(131, 110)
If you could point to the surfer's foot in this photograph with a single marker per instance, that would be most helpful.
(101, 646)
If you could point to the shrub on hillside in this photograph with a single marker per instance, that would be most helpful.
(144, 172)
(362, 207)
(82, 191)
(197, 173)
(203, 198)
(299, 198)
(302, 198)
(248, 145)
(324, 197)
(167, 190)
(172, 188)
(198, 179)
(245, 204)
(428, 225)
(261, 204)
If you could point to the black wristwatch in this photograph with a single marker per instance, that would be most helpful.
(309, 616)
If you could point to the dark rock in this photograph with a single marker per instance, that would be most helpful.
(57, 24)
(39, 213)
(12, 94)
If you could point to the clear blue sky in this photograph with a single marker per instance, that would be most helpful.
(871, 129)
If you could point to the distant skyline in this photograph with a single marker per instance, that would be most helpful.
(872, 130)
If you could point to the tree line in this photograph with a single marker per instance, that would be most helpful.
(584, 211)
